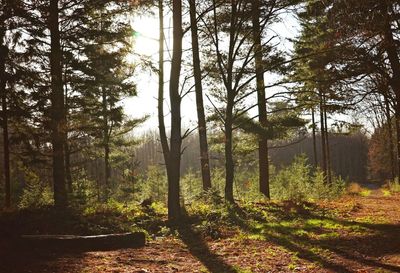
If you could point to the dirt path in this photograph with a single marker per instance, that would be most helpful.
(364, 237)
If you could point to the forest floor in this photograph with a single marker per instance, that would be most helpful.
(356, 233)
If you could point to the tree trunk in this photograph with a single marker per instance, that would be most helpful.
(390, 132)
(160, 100)
(393, 57)
(323, 143)
(58, 122)
(68, 175)
(67, 152)
(229, 163)
(328, 150)
(174, 159)
(314, 137)
(6, 146)
(262, 109)
(204, 156)
(106, 145)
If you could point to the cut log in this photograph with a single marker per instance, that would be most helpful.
(85, 243)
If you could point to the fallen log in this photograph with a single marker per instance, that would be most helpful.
(85, 243)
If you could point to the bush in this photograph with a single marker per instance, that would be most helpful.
(85, 192)
(298, 182)
(35, 194)
(394, 186)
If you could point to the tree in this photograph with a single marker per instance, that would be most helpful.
(372, 26)
(172, 152)
(58, 119)
(201, 120)
(263, 162)
(106, 79)
(3, 82)
(231, 66)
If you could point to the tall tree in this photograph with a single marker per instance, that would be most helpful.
(172, 152)
(58, 120)
(372, 26)
(160, 98)
(6, 148)
(201, 119)
(263, 161)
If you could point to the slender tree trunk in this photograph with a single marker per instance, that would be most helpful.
(229, 163)
(262, 109)
(161, 124)
(106, 144)
(58, 121)
(67, 152)
(174, 159)
(68, 175)
(314, 137)
(328, 150)
(201, 119)
(390, 132)
(323, 143)
(6, 145)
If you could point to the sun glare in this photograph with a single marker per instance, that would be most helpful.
(145, 40)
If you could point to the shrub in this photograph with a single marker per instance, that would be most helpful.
(35, 194)
(394, 186)
(298, 182)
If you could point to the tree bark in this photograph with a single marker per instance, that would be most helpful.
(323, 143)
(58, 121)
(314, 137)
(328, 150)
(67, 152)
(201, 119)
(106, 145)
(6, 144)
(394, 61)
(174, 158)
(229, 163)
(160, 100)
(262, 109)
(390, 132)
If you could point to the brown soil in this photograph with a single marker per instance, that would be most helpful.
(374, 248)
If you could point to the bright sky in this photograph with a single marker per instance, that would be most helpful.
(145, 103)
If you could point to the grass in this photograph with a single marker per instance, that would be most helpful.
(268, 235)
(386, 192)
(394, 186)
(365, 193)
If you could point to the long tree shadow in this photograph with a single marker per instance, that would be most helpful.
(384, 235)
(17, 259)
(199, 248)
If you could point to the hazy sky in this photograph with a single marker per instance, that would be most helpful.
(145, 103)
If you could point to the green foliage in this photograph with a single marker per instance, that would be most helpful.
(36, 194)
(154, 184)
(394, 186)
(85, 191)
(192, 186)
(298, 182)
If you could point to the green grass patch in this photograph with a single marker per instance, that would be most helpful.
(365, 193)
(386, 192)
